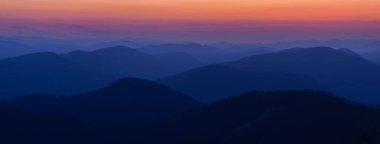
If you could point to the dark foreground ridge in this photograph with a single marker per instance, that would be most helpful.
(296, 117)
(125, 101)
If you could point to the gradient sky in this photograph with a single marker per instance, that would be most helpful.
(235, 20)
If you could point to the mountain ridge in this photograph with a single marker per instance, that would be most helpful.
(124, 101)
(344, 74)
(214, 82)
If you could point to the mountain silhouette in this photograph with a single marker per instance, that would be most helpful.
(125, 101)
(121, 61)
(344, 73)
(374, 56)
(236, 52)
(360, 45)
(205, 53)
(296, 117)
(81, 71)
(348, 51)
(13, 48)
(214, 82)
(46, 72)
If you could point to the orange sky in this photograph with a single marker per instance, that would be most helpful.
(214, 20)
(192, 9)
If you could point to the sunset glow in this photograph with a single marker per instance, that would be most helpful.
(146, 16)
(194, 9)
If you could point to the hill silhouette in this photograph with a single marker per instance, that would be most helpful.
(12, 48)
(374, 56)
(121, 61)
(46, 72)
(81, 71)
(214, 82)
(205, 53)
(125, 101)
(296, 117)
(341, 72)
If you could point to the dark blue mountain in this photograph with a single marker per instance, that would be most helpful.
(374, 56)
(80, 71)
(205, 53)
(239, 51)
(46, 72)
(296, 117)
(340, 71)
(178, 62)
(120, 61)
(124, 101)
(291, 117)
(12, 48)
(215, 82)
(360, 45)
(128, 43)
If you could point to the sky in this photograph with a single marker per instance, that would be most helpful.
(197, 20)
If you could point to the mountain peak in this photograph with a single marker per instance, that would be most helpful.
(116, 49)
(124, 101)
(346, 50)
(40, 54)
(44, 57)
(340, 71)
(184, 44)
(326, 54)
(323, 51)
(312, 49)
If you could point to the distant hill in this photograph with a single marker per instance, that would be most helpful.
(205, 53)
(125, 101)
(342, 72)
(373, 56)
(12, 48)
(214, 82)
(120, 61)
(296, 117)
(80, 71)
(46, 72)
(178, 62)
(128, 43)
(360, 45)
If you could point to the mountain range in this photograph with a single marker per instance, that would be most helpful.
(214, 82)
(359, 45)
(11, 48)
(340, 71)
(205, 53)
(46, 72)
(124, 101)
(374, 56)
(80, 71)
(343, 73)
(121, 61)
(296, 117)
